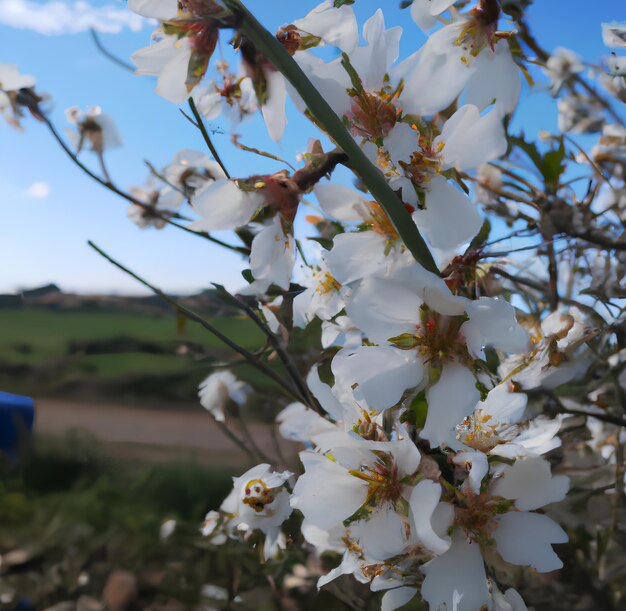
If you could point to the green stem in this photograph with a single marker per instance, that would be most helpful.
(325, 115)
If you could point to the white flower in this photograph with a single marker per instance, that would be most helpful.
(159, 204)
(190, 170)
(95, 127)
(320, 299)
(458, 57)
(616, 65)
(235, 99)
(218, 389)
(271, 259)
(360, 473)
(12, 80)
(557, 355)
(520, 536)
(614, 34)
(259, 501)
(561, 65)
(447, 217)
(498, 427)
(416, 321)
(424, 12)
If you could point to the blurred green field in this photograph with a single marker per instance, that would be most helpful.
(33, 336)
(113, 354)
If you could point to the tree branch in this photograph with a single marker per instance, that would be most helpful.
(191, 315)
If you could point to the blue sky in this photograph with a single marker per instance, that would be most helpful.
(44, 239)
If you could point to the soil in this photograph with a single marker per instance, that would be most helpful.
(159, 435)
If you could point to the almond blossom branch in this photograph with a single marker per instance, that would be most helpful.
(321, 110)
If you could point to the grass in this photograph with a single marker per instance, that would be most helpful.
(34, 336)
(114, 354)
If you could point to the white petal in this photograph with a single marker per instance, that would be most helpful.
(172, 81)
(458, 575)
(531, 484)
(335, 26)
(274, 108)
(451, 399)
(504, 406)
(324, 394)
(381, 373)
(514, 599)
(338, 201)
(450, 219)
(496, 78)
(397, 598)
(299, 423)
(223, 205)
(423, 503)
(525, 539)
(273, 255)
(327, 494)
(382, 536)
(492, 322)
(439, 64)
(430, 288)
(163, 10)
(423, 11)
(401, 142)
(478, 468)
(383, 308)
(471, 139)
(356, 255)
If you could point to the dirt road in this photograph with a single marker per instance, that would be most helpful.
(156, 435)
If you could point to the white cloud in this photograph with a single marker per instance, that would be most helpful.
(38, 190)
(57, 17)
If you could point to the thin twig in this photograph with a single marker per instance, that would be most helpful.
(199, 123)
(116, 60)
(191, 315)
(278, 346)
(133, 200)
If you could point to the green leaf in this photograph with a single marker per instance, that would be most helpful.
(324, 242)
(482, 236)
(340, 3)
(552, 165)
(530, 148)
(406, 341)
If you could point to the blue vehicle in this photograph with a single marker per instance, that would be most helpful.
(17, 415)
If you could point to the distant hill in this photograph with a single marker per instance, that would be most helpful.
(51, 297)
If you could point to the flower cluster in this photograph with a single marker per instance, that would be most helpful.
(422, 462)
(434, 405)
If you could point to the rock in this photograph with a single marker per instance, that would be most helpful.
(87, 603)
(120, 591)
